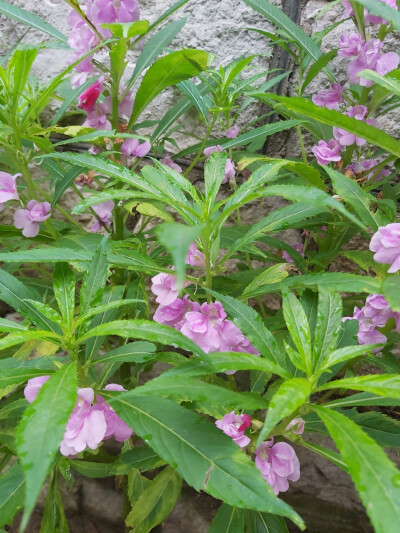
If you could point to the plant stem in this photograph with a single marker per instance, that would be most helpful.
(202, 146)
(303, 150)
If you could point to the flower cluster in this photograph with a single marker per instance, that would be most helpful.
(90, 423)
(375, 314)
(278, 463)
(369, 19)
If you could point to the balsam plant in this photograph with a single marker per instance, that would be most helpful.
(74, 365)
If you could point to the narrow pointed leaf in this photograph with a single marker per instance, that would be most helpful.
(327, 329)
(382, 384)
(64, 291)
(299, 328)
(228, 520)
(12, 492)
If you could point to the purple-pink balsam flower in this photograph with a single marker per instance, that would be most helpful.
(33, 386)
(361, 167)
(173, 314)
(194, 257)
(86, 426)
(345, 138)
(29, 219)
(299, 247)
(386, 245)
(369, 19)
(331, 98)
(278, 463)
(104, 211)
(298, 425)
(350, 45)
(81, 39)
(170, 163)
(369, 57)
(229, 165)
(97, 119)
(134, 148)
(205, 326)
(108, 11)
(234, 426)
(165, 287)
(232, 132)
(116, 427)
(124, 107)
(8, 188)
(326, 152)
(88, 98)
(233, 340)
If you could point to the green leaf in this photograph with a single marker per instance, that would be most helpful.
(252, 326)
(154, 46)
(166, 71)
(351, 192)
(133, 352)
(383, 429)
(94, 279)
(331, 117)
(363, 398)
(288, 398)
(228, 520)
(262, 131)
(14, 293)
(328, 325)
(382, 384)
(205, 457)
(65, 183)
(189, 389)
(45, 310)
(23, 336)
(12, 487)
(391, 291)
(48, 254)
(387, 82)
(64, 291)
(146, 330)
(273, 274)
(9, 326)
(177, 239)
(316, 67)
(378, 487)
(189, 89)
(25, 17)
(142, 457)
(334, 457)
(384, 11)
(54, 519)
(345, 354)
(41, 430)
(156, 501)
(214, 170)
(127, 30)
(299, 329)
(257, 522)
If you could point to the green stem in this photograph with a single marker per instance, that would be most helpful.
(303, 150)
(202, 146)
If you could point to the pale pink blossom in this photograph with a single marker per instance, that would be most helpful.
(8, 188)
(349, 46)
(173, 315)
(369, 19)
(109, 11)
(232, 132)
(133, 148)
(299, 247)
(33, 386)
(205, 326)
(361, 167)
(234, 426)
(116, 427)
(386, 245)
(278, 463)
(326, 152)
(229, 165)
(97, 119)
(165, 287)
(29, 219)
(170, 163)
(104, 211)
(345, 138)
(369, 57)
(297, 424)
(194, 257)
(331, 98)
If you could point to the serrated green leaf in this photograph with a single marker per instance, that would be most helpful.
(12, 488)
(288, 398)
(299, 329)
(228, 520)
(257, 522)
(189, 89)
(345, 354)
(382, 384)
(64, 291)
(214, 171)
(363, 398)
(41, 430)
(207, 458)
(273, 274)
(378, 487)
(391, 291)
(328, 325)
(94, 279)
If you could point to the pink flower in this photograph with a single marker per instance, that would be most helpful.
(116, 427)
(232, 132)
(298, 247)
(233, 340)
(326, 152)
(362, 166)
(369, 58)
(89, 97)
(33, 386)
(205, 327)
(165, 288)
(211, 149)
(345, 138)
(278, 464)
(194, 257)
(169, 163)
(104, 212)
(173, 314)
(298, 424)
(369, 19)
(132, 147)
(386, 245)
(8, 188)
(109, 11)
(29, 219)
(234, 426)
(97, 119)
(330, 98)
(349, 46)
(86, 426)
(124, 107)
